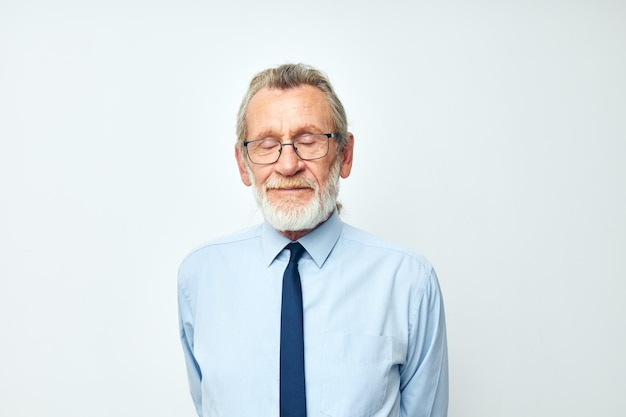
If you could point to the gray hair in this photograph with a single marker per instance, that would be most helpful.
(290, 76)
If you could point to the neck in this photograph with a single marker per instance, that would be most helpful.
(294, 235)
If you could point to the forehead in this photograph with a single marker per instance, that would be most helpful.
(288, 111)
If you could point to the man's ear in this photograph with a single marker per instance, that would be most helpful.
(241, 163)
(346, 157)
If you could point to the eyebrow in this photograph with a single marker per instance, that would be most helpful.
(303, 130)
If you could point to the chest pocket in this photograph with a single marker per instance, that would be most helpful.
(356, 374)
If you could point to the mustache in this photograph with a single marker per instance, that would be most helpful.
(295, 182)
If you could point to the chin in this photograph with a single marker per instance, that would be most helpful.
(290, 213)
(289, 205)
(295, 216)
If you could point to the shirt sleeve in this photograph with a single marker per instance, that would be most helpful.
(424, 376)
(186, 326)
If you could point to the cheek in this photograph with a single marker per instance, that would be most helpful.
(259, 176)
(321, 175)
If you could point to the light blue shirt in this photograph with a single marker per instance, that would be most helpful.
(374, 327)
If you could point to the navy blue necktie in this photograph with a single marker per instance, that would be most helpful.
(292, 388)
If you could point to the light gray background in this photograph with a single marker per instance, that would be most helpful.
(490, 136)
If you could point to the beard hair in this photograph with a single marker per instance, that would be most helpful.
(291, 214)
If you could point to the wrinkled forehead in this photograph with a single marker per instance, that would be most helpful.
(302, 109)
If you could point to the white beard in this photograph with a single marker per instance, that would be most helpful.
(291, 215)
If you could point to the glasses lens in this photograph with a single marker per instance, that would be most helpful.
(265, 151)
(311, 146)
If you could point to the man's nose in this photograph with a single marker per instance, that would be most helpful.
(289, 162)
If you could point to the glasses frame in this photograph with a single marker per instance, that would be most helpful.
(292, 143)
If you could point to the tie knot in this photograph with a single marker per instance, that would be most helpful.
(296, 250)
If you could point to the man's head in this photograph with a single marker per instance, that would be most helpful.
(284, 104)
(287, 77)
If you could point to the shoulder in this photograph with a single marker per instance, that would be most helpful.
(211, 258)
(388, 260)
(358, 238)
(409, 273)
(220, 248)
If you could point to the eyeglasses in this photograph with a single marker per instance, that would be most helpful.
(307, 147)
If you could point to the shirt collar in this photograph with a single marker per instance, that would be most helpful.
(318, 243)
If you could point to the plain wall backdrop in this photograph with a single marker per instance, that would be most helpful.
(490, 136)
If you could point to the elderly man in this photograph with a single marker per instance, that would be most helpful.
(305, 315)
